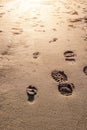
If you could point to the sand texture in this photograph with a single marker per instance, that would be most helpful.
(43, 65)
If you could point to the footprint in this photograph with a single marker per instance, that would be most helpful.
(69, 56)
(5, 53)
(66, 88)
(54, 40)
(42, 26)
(54, 29)
(85, 19)
(85, 70)
(1, 6)
(1, 31)
(75, 20)
(1, 14)
(36, 54)
(31, 92)
(85, 37)
(38, 30)
(74, 13)
(17, 31)
(59, 76)
(34, 18)
(72, 26)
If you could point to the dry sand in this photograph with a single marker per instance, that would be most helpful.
(34, 38)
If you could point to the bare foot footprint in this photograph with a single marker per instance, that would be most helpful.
(54, 40)
(69, 56)
(17, 31)
(59, 76)
(66, 88)
(36, 54)
(31, 92)
(85, 70)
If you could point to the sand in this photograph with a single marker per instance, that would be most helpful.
(37, 38)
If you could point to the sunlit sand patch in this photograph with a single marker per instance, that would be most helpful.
(21, 6)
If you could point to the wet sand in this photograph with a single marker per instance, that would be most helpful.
(43, 51)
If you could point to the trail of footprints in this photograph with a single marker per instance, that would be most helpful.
(64, 86)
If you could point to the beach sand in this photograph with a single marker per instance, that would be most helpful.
(36, 39)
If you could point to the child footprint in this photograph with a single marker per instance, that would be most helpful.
(36, 54)
(69, 55)
(31, 92)
(59, 76)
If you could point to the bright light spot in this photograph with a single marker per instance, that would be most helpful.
(37, 0)
(23, 5)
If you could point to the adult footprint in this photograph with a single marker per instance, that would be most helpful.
(59, 76)
(31, 92)
(66, 88)
(69, 55)
(36, 54)
(85, 70)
